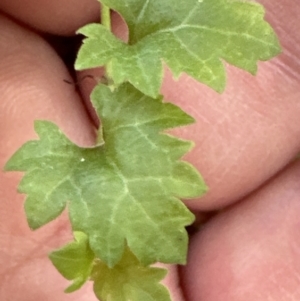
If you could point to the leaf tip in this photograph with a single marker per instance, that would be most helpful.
(33, 223)
(9, 165)
(76, 285)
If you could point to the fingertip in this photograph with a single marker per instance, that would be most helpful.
(251, 250)
(54, 17)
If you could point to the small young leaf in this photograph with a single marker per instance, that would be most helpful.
(129, 281)
(125, 190)
(74, 261)
(190, 36)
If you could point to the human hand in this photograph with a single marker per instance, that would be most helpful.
(245, 139)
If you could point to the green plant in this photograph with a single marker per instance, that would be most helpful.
(123, 195)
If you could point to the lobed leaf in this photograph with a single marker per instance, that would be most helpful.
(125, 191)
(74, 261)
(129, 281)
(191, 36)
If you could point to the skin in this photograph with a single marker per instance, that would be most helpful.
(246, 142)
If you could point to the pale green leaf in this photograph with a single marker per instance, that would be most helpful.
(190, 36)
(129, 281)
(74, 261)
(124, 191)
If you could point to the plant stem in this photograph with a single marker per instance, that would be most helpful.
(105, 16)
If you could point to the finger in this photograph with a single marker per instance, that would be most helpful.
(32, 87)
(252, 250)
(250, 132)
(57, 17)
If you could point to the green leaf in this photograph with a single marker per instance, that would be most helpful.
(126, 190)
(191, 36)
(74, 261)
(129, 281)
